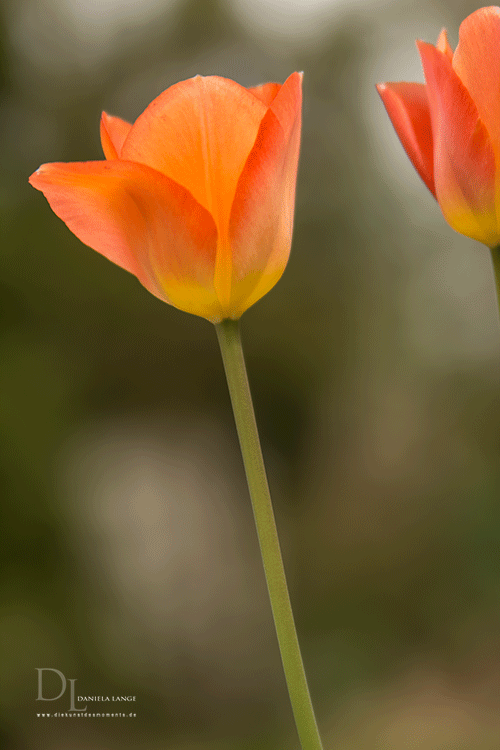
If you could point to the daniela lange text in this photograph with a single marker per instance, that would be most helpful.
(110, 699)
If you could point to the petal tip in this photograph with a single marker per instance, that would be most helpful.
(420, 43)
(42, 169)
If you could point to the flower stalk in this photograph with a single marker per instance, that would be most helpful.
(228, 333)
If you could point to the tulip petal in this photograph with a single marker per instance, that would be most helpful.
(464, 162)
(443, 45)
(477, 64)
(199, 133)
(266, 92)
(144, 222)
(262, 213)
(408, 107)
(113, 134)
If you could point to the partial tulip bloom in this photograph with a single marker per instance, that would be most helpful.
(196, 198)
(450, 126)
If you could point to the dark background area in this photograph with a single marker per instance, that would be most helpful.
(129, 557)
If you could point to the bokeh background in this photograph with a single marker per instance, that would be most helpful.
(130, 561)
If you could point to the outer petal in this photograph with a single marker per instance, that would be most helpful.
(477, 63)
(199, 132)
(408, 107)
(266, 92)
(464, 162)
(113, 134)
(262, 213)
(144, 222)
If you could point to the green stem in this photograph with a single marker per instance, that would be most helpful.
(495, 255)
(228, 333)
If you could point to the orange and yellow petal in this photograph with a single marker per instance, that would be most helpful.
(144, 222)
(464, 160)
(262, 213)
(477, 63)
(199, 133)
(408, 107)
(113, 134)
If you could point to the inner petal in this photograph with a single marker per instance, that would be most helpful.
(199, 133)
(476, 62)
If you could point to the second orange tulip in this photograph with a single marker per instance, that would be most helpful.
(450, 126)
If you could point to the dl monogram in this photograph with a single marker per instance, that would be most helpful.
(63, 688)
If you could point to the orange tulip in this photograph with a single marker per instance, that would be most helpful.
(196, 198)
(450, 126)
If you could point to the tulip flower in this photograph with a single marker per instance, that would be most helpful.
(450, 126)
(196, 198)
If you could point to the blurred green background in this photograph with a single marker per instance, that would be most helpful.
(129, 558)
